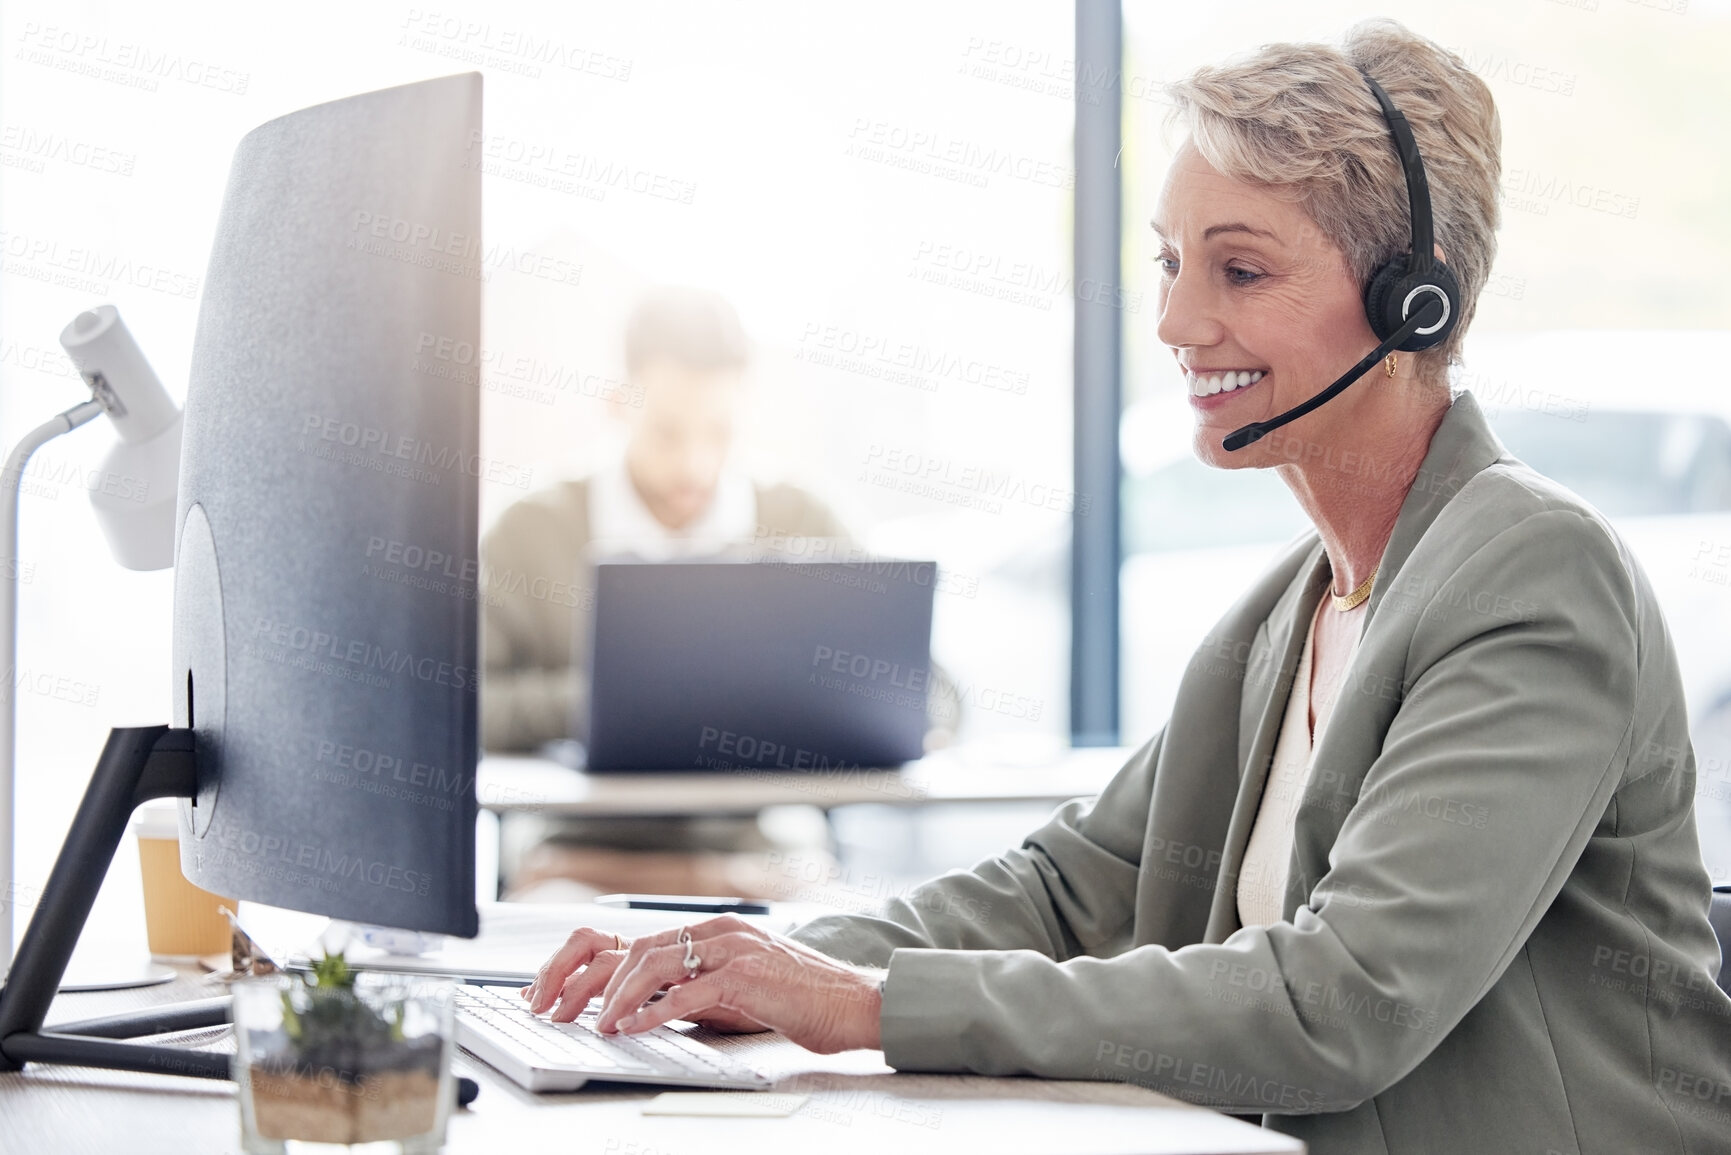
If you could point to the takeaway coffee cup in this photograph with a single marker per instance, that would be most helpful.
(182, 921)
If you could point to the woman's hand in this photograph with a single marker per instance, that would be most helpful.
(748, 979)
(579, 970)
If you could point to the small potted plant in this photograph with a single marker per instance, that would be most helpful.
(338, 1058)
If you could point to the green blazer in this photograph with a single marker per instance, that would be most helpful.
(1495, 932)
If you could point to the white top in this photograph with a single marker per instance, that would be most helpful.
(1268, 854)
(620, 523)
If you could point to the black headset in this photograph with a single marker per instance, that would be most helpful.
(1412, 301)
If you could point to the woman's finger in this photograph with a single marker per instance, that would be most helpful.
(645, 973)
(700, 932)
(582, 946)
(706, 994)
(730, 1022)
(579, 988)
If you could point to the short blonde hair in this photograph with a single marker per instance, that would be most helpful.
(1299, 118)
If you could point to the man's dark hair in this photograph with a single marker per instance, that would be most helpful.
(692, 327)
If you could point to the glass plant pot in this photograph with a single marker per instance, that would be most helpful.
(364, 1064)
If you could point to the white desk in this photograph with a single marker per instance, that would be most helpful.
(856, 1104)
(536, 785)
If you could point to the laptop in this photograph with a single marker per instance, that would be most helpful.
(758, 666)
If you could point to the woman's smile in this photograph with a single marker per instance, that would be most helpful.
(1211, 388)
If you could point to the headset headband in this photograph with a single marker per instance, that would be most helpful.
(1417, 187)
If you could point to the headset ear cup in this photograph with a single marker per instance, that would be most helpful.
(1377, 295)
(1388, 290)
(1443, 278)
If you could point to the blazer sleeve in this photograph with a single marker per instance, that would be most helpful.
(1508, 743)
(1069, 889)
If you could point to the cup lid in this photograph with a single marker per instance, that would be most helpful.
(160, 819)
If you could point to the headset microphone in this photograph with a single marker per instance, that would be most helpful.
(1257, 430)
(1412, 301)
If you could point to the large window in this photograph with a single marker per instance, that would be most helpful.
(882, 191)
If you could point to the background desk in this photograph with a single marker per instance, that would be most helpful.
(537, 785)
(856, 1104)
(521, 792)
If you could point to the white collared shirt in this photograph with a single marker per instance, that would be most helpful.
(620, 522)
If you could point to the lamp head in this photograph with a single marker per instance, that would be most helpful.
(136, 487)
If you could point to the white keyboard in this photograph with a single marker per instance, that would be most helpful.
(495, 1025)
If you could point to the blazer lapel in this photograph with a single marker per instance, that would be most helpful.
(1463, 445)
(1267, 685)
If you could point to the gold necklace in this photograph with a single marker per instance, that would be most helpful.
(1356, 598)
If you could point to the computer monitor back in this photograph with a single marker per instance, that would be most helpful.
(330, 679)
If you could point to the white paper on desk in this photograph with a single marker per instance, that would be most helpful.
(730, 1104)
(517, 937)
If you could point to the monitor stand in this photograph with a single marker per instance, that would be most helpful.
(138, 763)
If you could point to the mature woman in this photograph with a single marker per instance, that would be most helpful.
(1413, 866)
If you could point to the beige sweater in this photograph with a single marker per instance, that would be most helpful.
(537, 590)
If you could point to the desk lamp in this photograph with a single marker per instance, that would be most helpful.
(139, 525)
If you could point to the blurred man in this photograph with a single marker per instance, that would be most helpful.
(672, 495)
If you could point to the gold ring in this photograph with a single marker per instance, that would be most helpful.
(618, 943)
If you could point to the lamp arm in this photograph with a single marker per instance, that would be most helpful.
(11, 478)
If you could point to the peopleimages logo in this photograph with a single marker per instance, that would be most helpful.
(46, 684)
(961, 483)
(519, 374)
(32, 150)
(310, 864)
(430, 561)
(734, 749)
(937, 153)
(550, 165)
(507, 48)
(369, 441)
(902, 362)
(391, 776)
(463, 254)
(89, 270)
(363, 655)
(123, 62)
(871, 669)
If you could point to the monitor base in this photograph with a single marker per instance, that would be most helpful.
(113, 974)
(138, 763)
